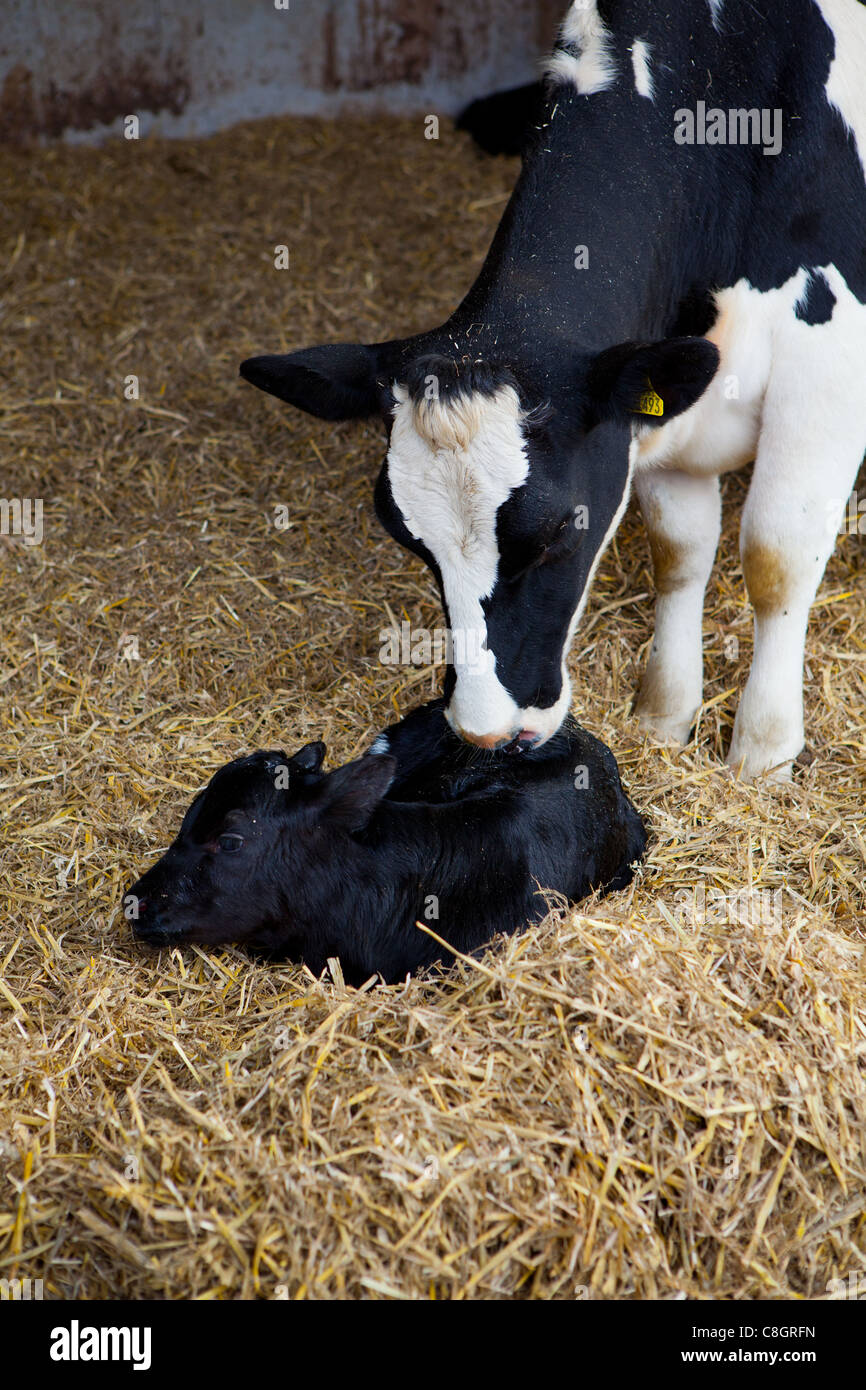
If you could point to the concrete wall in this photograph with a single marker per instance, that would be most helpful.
(74, 68)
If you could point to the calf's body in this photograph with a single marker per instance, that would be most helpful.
(278, 855)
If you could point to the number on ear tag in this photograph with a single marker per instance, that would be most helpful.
(650, 403)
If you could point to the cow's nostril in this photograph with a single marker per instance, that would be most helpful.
(519, 744)
(515, 741)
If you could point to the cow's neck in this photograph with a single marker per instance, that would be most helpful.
(531, 294)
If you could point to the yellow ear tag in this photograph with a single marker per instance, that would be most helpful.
(650, 403)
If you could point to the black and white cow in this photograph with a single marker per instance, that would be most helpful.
(677, 287)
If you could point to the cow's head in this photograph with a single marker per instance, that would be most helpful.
(510, 498)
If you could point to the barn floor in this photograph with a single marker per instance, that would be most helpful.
(643, 1099)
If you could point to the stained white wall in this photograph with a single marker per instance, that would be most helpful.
(74, 68)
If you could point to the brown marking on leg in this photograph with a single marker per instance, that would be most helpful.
(768, 577)
(667, 564)
(667, 555)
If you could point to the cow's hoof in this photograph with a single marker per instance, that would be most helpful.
(764, 747)
(664, 728)
(750, 765)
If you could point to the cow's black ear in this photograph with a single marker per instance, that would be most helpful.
(336, 381)
(650, 383)
(502, 123)
(350, 795)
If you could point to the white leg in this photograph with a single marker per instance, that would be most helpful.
(683, 518)
(787, 535)
(813, 436)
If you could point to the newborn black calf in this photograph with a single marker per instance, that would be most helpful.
(278, 855)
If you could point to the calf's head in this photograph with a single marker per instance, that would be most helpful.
(510, 492)
(258, 852)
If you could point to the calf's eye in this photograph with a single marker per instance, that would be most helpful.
(230, 844)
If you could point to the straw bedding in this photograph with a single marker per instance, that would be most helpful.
(658, 1096)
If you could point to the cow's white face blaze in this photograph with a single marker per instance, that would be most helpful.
(470, 481)
(451, 467)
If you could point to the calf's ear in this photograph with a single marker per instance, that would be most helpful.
(351, 794)
(650, 383)
(336, 381)
(310, 757)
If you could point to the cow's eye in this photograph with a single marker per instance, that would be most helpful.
(230, 844)
(561, 540)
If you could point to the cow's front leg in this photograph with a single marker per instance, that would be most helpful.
(683, 518)
(787, 535)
